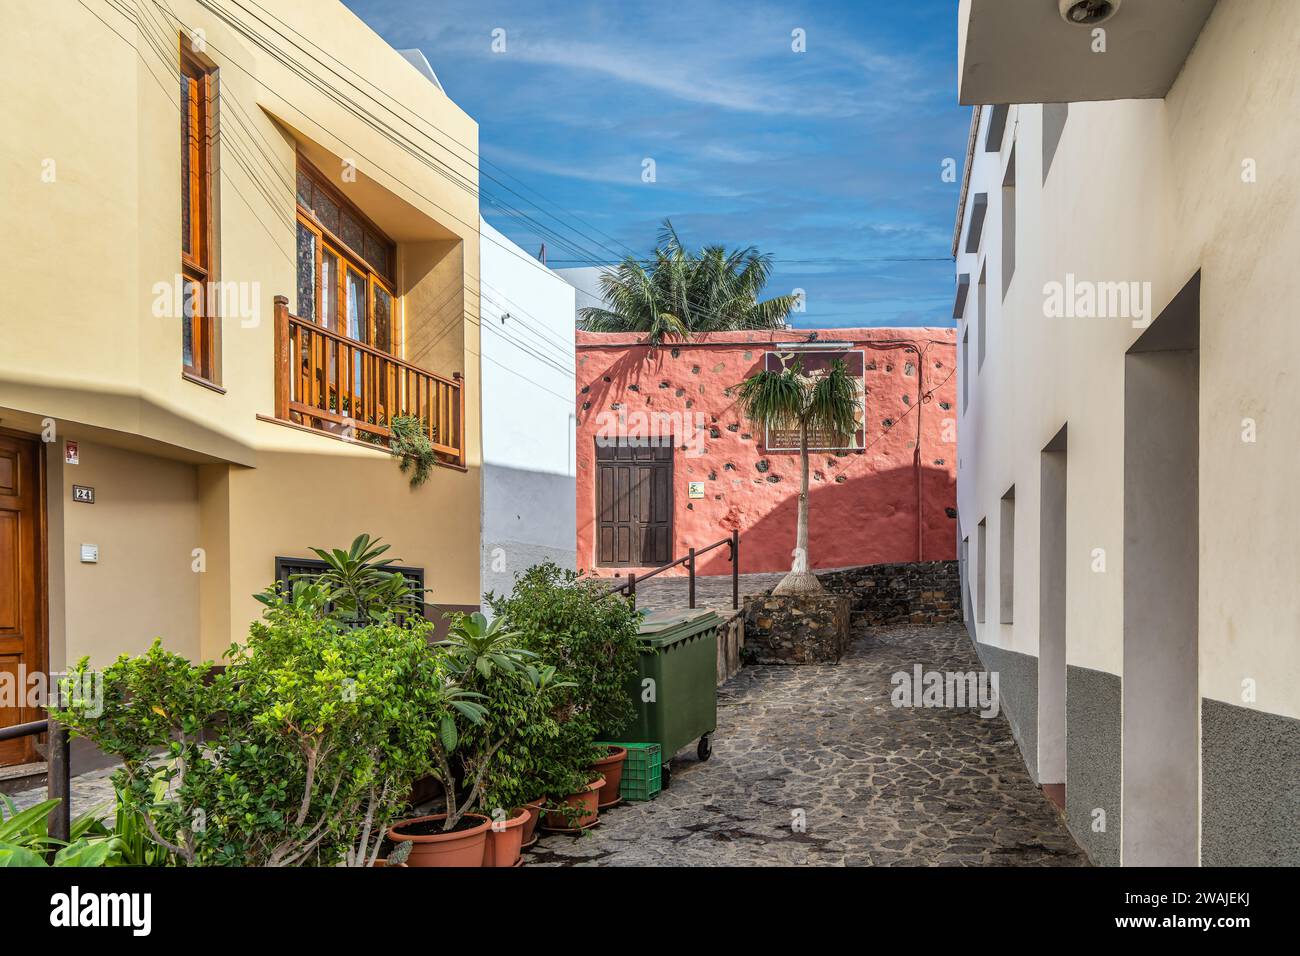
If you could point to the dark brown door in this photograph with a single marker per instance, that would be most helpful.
(22, 582)
(634, 504)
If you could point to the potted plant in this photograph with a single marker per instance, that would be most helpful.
(456, 837)
(507, 691)
(611, 768)
(570, 623)
(299, 752)
(411, 442)
(517, 698)
(577, 811)
(302, 749)
(572, 788)
(505, 839)
(534, 810)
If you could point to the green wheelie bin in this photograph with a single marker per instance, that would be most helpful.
(675, 690)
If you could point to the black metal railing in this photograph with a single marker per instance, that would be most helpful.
(58, 770)
(628, 587)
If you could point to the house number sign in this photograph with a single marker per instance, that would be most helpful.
(83, 493)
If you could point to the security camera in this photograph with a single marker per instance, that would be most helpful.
(1088, 12)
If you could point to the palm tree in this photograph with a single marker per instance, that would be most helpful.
(684, 293)
(826, 404)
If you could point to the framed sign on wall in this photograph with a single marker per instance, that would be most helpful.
(817, 362)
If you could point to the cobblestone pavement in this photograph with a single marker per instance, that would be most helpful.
(877, 785)
(712, 592)
(90, 790)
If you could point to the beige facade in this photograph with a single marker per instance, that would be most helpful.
(1140, 582)
(198, 488)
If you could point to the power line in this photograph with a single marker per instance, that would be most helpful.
(392, 135)
(384, 130)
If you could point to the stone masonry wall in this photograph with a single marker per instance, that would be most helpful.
(926, 592)
(725, 478)
(790, 629)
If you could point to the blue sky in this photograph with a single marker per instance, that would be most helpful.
(829, 159)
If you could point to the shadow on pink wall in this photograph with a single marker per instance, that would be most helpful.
(864, 504)
(864, 520)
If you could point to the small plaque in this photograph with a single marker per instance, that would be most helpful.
(70, 453)
(84, 494)
(695, 489)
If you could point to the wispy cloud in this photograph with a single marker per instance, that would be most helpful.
(830, 159)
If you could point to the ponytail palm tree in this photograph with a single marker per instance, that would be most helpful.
(825, 404)
(684, 293)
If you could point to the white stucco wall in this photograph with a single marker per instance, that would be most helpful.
(1152, 190)
(586, 284)
(528, 417)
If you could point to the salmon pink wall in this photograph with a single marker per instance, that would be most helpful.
(863, 504)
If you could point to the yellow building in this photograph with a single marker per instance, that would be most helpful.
(170, 172)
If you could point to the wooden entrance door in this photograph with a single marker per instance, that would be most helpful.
(634, 504)
(22, 586)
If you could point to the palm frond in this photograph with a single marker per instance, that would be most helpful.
(685, 293)
(833, 404)
(773, 400)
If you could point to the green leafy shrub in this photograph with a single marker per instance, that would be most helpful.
(302, 751)
(498, 758)
(570, 624)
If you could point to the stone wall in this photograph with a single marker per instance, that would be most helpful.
(790, 629)
(927, 592)
(627, 389)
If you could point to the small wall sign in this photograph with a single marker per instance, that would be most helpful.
(83, 493)
(70, 453)
(695, 489)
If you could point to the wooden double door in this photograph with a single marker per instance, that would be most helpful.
(22, 587)
(634, 504)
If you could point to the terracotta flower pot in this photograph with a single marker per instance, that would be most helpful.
(530, 825)
(586, 800)
(461, 848)
(502, 846)
(611, 768)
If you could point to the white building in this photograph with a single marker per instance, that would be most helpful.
(1128, 467)
(528, 418)
(586, 284)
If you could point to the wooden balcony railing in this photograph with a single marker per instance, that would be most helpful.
(332, 383)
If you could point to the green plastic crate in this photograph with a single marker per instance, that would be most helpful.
(642, 771)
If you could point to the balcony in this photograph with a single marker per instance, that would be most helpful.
(334, 384)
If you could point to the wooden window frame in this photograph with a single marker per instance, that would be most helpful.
(198, 265)
(350, 258)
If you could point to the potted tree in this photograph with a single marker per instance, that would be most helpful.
(826, 404)
(508, 693)
(569, 623)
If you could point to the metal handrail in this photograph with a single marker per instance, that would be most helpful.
(58, 770)
(628, 587)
